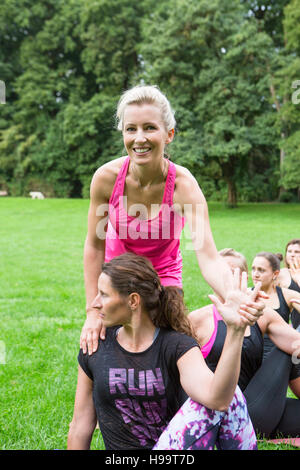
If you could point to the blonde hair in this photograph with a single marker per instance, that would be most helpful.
(141, 94)
(231, 252)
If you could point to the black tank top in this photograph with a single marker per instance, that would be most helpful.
(294, 286)
(252, 352)
(284, 312)
(295, 316)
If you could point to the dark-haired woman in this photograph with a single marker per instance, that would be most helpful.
(134, 383)
(289, 276)
(266, 269)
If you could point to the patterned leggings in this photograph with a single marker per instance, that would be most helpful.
(195, 427)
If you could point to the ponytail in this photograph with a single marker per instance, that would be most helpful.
(172, 312)
(132, 273)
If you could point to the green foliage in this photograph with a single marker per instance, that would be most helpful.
(218, 58)
(227, 68)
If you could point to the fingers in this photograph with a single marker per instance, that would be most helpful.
(102, 333)
(262, 295)
(292, 267)
(215, 301)
(89, 338)
(92, 341)
(254, 293)
(295, 264)
(248, 317)
(83, 345)
(244, 281)
(251, 312)
(295, 301)
(236, 278)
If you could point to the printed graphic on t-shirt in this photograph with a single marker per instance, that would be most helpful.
(146, 418)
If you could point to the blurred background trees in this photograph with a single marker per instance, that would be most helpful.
(230, 69)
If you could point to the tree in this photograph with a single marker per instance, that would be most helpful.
(288, 80)
(211, 60)
(73, 60)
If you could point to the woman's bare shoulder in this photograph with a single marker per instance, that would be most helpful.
(284, 278)
(187, 189)
(105, 176)
(200, 315)
(110, 168)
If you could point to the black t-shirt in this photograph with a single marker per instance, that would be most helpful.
(136, 394)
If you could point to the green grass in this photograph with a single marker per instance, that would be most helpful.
(42, 304)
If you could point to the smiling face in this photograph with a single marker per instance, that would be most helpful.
(113, 308)
(292, 253)
(262, 271)
(144, 133)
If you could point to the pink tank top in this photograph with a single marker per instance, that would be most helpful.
(158, 238)
(207, 347)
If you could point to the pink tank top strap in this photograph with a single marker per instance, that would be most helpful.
(206, 348)
(170, 184)
(118, 189)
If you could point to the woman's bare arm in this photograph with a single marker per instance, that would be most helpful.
(84, 418)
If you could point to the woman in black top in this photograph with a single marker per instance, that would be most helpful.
(289, 276)
(266, 269)
(134, 383)
(264, 384)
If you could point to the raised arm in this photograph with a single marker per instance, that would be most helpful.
(84, 417)
(192, 203)
(216, 390)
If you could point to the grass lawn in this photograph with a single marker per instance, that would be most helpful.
(42, 303)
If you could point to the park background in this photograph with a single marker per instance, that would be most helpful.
(231, 71)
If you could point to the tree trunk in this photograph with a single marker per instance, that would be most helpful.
(228, 175)
(282, 153)
(231, 194)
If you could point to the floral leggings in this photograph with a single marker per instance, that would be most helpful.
(195, 427)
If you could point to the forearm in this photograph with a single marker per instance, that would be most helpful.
(79, 437)
(93, 260)
(283, 335)
(216, 273)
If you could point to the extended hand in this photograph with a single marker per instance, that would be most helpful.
(92, 330)
(240, 309)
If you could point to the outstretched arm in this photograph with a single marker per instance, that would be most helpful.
(216, 390)
(214, 269)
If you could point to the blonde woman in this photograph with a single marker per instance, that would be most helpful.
(139, 203)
